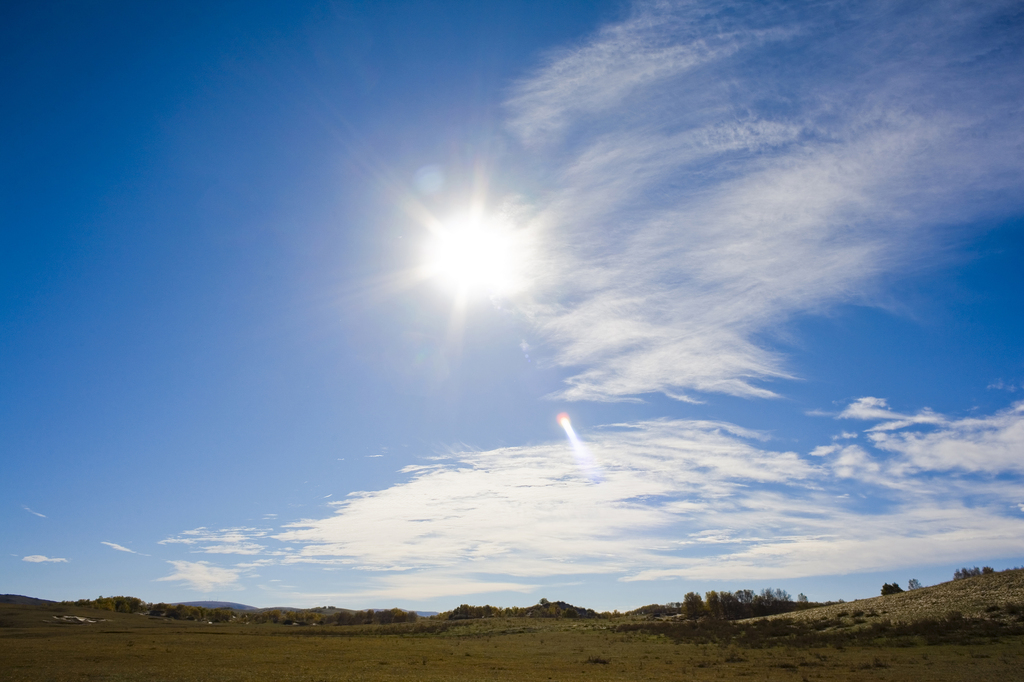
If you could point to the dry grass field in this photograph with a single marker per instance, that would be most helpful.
(971, 598)
(43, 643)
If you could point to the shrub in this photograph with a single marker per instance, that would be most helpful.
(914, 584)
(891, 588)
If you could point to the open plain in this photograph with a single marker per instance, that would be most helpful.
(854, 641)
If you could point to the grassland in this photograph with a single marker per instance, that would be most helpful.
(972, 598)
(42, 643)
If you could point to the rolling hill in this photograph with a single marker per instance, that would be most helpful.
(218, 605)
(21, 599)
(970, 597)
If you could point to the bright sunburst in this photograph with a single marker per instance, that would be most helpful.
(475, 254)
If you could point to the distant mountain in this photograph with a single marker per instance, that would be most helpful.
(218, 605)
(418, 613)
(329, 610)
(19, 599)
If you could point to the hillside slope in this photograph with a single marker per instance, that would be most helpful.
(22, 599)
(969, 597)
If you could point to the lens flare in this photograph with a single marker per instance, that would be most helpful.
(580, 453)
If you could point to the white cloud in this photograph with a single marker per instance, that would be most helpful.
(240, 540)
(1000, 386)
(854, 462)
(872, 409)
(992, 444)
(867, 408)
(417, 586)
(257, 563)
(846, 542)
(485, 509)
(39, 558)
(702, 191)
(121, 548)
(201, 575)
(679, 499)
(623, 60)
(824, 450)
(42, 516)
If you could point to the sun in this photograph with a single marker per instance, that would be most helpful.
(474, 253)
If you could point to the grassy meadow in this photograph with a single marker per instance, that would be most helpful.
(864, 640)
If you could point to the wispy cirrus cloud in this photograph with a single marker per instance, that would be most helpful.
(30, 511)
(202, 575)
(1000, 385)
(993, 444)
(715, 169)
(421, 585)
(240, 540)
(684, 499)
(689, 499)
(41, 559)
(483, 510)
(120, 548)
(623, 61)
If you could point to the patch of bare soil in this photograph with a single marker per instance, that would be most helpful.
(78, 620)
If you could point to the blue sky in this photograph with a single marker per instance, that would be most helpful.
(293, 293)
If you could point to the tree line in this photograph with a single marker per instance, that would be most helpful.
(965, 572)
(958, 574)
(719, 605)
(714, 604)
(318, 616)
(724, 605)
(542, 609)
